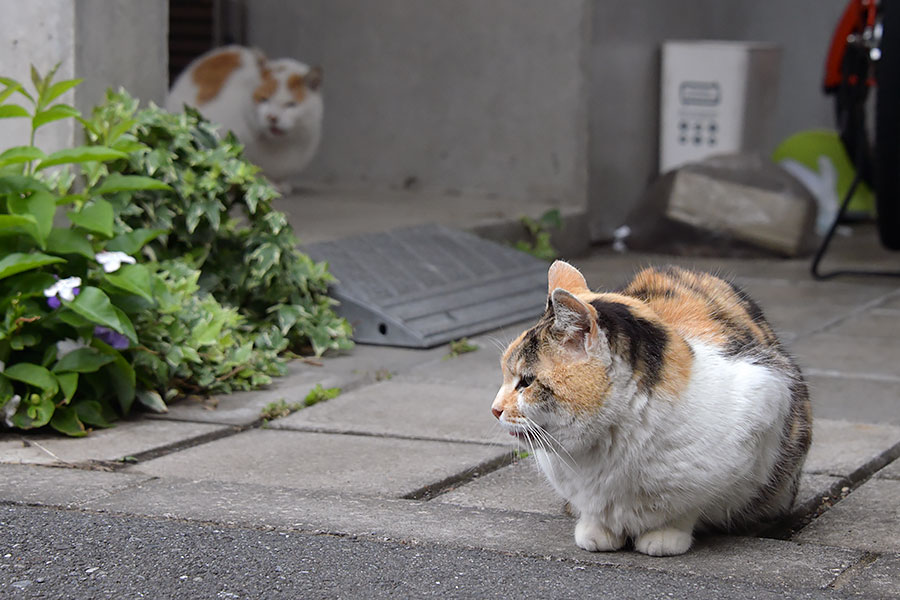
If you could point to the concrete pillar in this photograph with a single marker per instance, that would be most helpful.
(108, 43)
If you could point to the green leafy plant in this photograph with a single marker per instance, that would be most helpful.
(460, 346)
(69, 295)
(320, 394)
(191, 344)
(282, 408)
(218, 212)
(539, 233)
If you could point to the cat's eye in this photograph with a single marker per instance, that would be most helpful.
(525, 381)
(291, 104)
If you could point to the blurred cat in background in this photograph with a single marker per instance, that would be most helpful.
(274, 107)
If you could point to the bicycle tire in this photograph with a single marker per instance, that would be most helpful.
(887, 129)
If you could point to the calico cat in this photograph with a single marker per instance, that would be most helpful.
(274, 107)
(666, 406)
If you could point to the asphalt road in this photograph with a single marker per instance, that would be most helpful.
(48, 553)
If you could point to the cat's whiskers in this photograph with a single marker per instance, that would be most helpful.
(540, 437)
(558, 444)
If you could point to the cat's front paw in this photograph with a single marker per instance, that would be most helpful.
(594, 537)
(666, 541)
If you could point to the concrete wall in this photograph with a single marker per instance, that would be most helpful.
(624, 74)
(121, 43)
(108, 43)
(39, 33)
(466, 95)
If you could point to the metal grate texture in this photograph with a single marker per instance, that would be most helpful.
(426, 285)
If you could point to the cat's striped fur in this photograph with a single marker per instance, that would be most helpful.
(663, 406)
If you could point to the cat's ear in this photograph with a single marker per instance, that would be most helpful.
(574, 322)
(565, 276)
(313, 78)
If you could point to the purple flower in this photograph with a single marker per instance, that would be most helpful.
(53, 302)
(113, 338)
(66, 289)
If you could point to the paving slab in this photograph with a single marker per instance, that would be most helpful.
(517, 487)
(35, 484)
(837, 395)
(878, 577)
(406, 409)
(353, 369)
(891, 471)
(127, 438)
(763, 561)
(876, 322)
(841, 448)
(359, 464)
(522, 487)
(868, 519)
(850, 355)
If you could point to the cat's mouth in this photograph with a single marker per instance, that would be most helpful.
(276, 131)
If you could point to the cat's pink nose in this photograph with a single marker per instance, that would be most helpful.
(272, 119)
(497, 412)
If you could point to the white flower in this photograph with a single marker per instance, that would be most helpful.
(111, 261)
(67, 346)
(9, 409)
(64, 288)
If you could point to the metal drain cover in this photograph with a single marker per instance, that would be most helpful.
(426, 285)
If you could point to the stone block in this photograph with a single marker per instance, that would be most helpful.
(877, 578)
(127, 438)
(316, 461)
(34, 484)
(406, 409)
(842, 396)
(868, 519)
(353, 369)
(850, 355)
(843, 449)
(517, 487)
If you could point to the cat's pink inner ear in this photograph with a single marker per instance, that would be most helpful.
(564, 276)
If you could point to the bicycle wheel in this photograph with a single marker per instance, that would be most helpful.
(887, 129)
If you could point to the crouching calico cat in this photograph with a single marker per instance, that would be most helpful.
(667, 406)
(274, 107)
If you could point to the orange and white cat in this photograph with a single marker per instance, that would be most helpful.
(666, 406)
(274, 107)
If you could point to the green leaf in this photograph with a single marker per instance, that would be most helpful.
(59, 88)
(121, 376)
(152, 400)
(65, 420)
(12, 83)
(68, 383)
(129, 183)
(97, 216)
(83, 360)
(68, 241)
(21, 184)
(20, 154)
(15, 224)
(12, 111)
(134, 279)
(41, 206)
(81, 154)
(95, 306)
(133, 241)
(18, 262)
(34, 415)
(54, 113)
(91, 412)
(28, 285)
(126, 325)
(32, 374)
(11, 88)
(6, 390)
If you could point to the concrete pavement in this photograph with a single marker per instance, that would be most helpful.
(408, 456)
